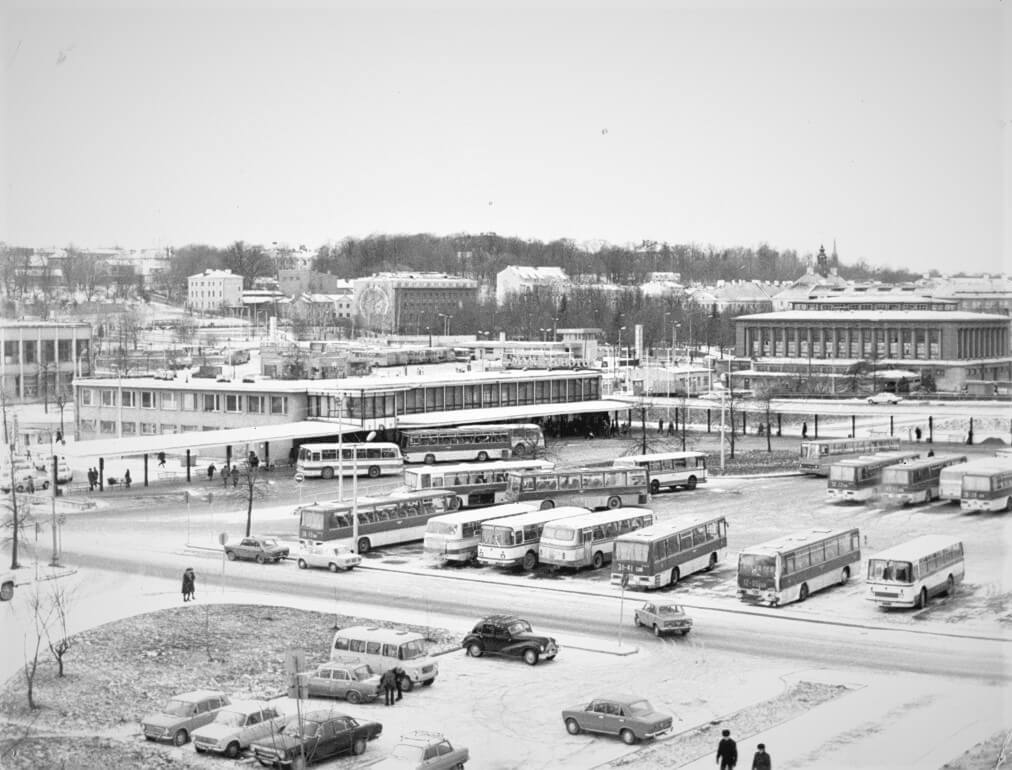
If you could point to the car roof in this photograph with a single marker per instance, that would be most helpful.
(502, 619)
(323, 715)
(624, 698)
(195, 695)
(422, 737)
(248, 706)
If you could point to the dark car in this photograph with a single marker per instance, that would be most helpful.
(319, 734)
(258, 549)
(509, 636)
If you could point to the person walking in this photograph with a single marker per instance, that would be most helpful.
(400, 675)
(127, 479)
(210, 472)
(762, 760)
(727, 751)
(189, 584)
(804, 430)
(389, 684)
(161, 459)
(91, 479)
(224, 474)
(235, 476)
(660, 427)
(917, 433)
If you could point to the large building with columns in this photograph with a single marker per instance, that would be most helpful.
(41, 358)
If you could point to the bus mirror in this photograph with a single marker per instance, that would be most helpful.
(371, 436)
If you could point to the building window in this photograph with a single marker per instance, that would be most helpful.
(87, 426)
(129, 398)
(170, 429)
(108, 427)
(189, 401)
(211, 402)
(147, 399)
(87, 397)
(233, 403)
(108, 397)
(64, 350)
(255, 404)
(189, 428)
(168, 400)
(149, 428)
(279, 404)
(129, 428)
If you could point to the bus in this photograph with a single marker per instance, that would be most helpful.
(916, 481)
(860, 478)
(472, 442)
(662, 554)
(513, 541)
(475, 484)
(588, 487)
(373, 459)
(817, 456)
(987, 490)
(589, 540)
(383, 649)
(907, 575)
(792, 567)
(382, 521)
(950, 483)
(454, 536)
(669, 469)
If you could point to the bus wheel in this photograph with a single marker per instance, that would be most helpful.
(598, 560)
(922, 599)
(482, 456)
(363, 546)
(713, 562)
(374, 471)
(614, 502)
(546, 504)
(691, 483)
(675, 575)
(844, 576)
(655, 486)
(519, 450)
(530, 560)
(327, 473)
(803, 593)
(430, 459)
(950, 586)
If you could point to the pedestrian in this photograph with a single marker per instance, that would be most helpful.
(161, 459)
(931, 453)
(671, 428)
(727, 751)
(254, 461)
(189, 584)
(210, 472)
(91, 479)
(127, 479)
(804, 430)
(401, 675)
(660, 426)
(917, 433)
(31, 485)
(235, 476)
(762, 760)
(389, 683)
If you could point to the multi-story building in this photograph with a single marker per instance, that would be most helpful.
(977, 294)
(403, 302)
(214, 290)
(292, 282)
(41, 358)
(523, 279)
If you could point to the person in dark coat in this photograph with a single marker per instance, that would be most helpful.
(727, 751)
(127, 479)
(235, 476)
(400, 675)
(389, 683)
(189, 584)
(804, 430)
(762, 760)
(92, 479)
(210, 472)
(161, 459)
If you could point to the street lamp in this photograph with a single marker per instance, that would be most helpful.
(674, 339)
(446, 323)
(428, 331)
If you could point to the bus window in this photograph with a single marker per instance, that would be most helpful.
(527, 484)
(373, 648)
(547, 482)
(593, 480)
(390, 650)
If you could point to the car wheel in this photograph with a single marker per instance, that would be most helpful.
(358, 747)
(232, 750)
(327, 473)
(530, 560)
(302, 564)
(353, 696)
(482, 456)
(573, 727)
(614, 502)
(430, 459)
(685, 631)
(180, 737)
(332, 567)
(636, 621)
(428, 683)
(230, 555)
(475, 650)
(657, 630)
(803, 593)
(407, 685)
(547, 505)
(363, 546)
(598, 560)
(655, 486)
(374, 471)
(260, 558)
(844, 576)
(6, 592)
(628, 736)
(691, 483)
(531, 657)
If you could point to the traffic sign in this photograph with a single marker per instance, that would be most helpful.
(299, 478)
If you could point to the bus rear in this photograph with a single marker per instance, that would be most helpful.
(454, 536)
(589, 541)
(758, 573)
(986, 490)
(916, 482)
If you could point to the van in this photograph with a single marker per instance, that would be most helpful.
(384, 649)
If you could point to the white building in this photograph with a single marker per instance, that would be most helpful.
(214, 290)
(521, 279)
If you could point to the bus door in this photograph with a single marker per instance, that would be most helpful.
(587, 536)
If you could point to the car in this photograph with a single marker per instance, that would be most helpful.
(258, 549)
(6, 586)
(509, 636)
(629, 717)
(663, 618)
(319, 734)
(423, 750)
(713, 395)
(182, 714)
(23, 477)
(355, 682)
(884, 398)
(236, 726)
(323, 554)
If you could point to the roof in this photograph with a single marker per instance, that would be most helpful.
(435, 419)
(194, 695)
(249, 706)
(926, 462)
(602, 517)
(662, 528)
(872, 315)
(541, 515)
(796, 540)
(916, 546)
(479, 515)
(199, 383)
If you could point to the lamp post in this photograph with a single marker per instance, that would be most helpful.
(61, 401)
(446, 323)
(428, 331)
(620, 330)
(674, 339)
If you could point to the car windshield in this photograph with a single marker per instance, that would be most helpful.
(669, 609)
(231, 718)
(410, 650)
(268, 542)
(309, 728)
(408, 753)
(519, 627)
(640, 707)
(362, 673)
(178, 708)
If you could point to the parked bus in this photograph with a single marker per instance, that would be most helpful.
(662, 554)
(669, 469)
(791, 568)
(860, 478)
(587, 487)
(472, 442)
(950, 482)
(817, 456)
(371, 459)
(383, 649)
(454, 536)
(382, 521)
(589, 540)
(475, 484)
(916, 481)
(987, 490)
(513, 541)
(907, 575)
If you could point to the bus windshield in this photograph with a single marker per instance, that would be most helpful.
(842, 473)
(977, 483)
(497, 535)
(562, 534)
(411, 650)
(757, 566)
(631, 552)
(894, 571)
(440, 528)
(896, 476)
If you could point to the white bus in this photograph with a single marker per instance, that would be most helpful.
(371, 459)
(382, 521)
(907, 575)
(987, 490)
(817, 456)
(791, 568)
(860, 478)
(950, 482)
(589, 540)
(454, 536)
(475, 484)
(669, 469)
(513, 541)
(472, 442)
(608, 487)
(662, 554)
(386, 648)
(916, 481)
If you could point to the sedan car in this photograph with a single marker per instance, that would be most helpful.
(884, 398)
(353, 682)
(324, 554)
(183, 714)
(236, 726)
(319, 735)
(663, 618)
(423, 750)
(627, 716)
(258, 549)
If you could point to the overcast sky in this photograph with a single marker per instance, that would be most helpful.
(885, 128)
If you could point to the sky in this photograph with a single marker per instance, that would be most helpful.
(884, 127)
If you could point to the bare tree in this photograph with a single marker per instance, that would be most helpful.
(42, 613)
(764, 397)
(251, 486)
(58, 637)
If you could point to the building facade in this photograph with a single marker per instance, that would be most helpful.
(523, 279)
(411, 302)
(214, 291)
(41, 358)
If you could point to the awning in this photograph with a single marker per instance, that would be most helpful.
(501, 414)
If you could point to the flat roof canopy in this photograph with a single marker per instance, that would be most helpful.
(180, 442)
(472, 416)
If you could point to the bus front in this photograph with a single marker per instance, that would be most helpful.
(891, 583)
(979, 492)
(896, 485)
(842, 484)
(496, 546)
(757, 578)
(812, 457)
(442, 542)
(632, 558)
(560, 546)
(950, 483)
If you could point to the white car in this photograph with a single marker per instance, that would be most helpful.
(320, 553)
(236, 726)
(884, 398)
